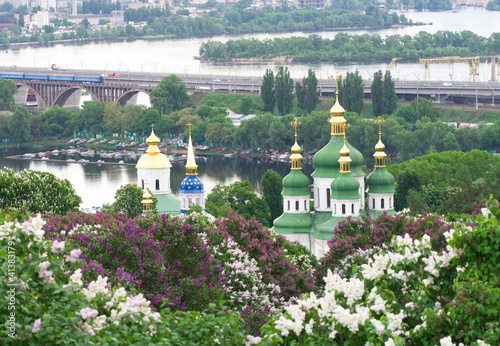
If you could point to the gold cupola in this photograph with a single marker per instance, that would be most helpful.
(191, 165)
(337, 119)
(147, 202)
(345, 160)
(153, 158)
(380, 154)
(296, 157)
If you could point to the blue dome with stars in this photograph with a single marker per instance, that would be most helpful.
(191, 184)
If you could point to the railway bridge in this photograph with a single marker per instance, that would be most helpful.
(57, 93)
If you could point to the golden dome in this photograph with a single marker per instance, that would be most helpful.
(380, 146)
(337, 110)
(153, 158)
(345, 160)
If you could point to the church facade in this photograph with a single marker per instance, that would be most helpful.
(338, 188)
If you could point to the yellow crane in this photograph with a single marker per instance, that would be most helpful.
(391, 64)
(473, 62)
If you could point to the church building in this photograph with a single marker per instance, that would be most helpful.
(338, 188)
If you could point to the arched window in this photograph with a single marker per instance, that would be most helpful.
(382, 203)
(390, 202)
(305, 205)
(328, 194)
(373, 201)
(142, 182)
(343, 209)
(157, 184)
(352, 208)
(296, 205)
(335, 209)
(288, 205)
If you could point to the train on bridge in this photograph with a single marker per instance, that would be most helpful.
(51, 77)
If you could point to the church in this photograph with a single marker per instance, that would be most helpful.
(153, 172)
(338, 188)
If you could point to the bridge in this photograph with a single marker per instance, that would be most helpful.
(127, 85)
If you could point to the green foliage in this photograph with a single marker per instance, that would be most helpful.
(128, 200)
(272, 186)
(351, 92)
(7, 90)
(170, 95)
(283, 90)
(311, 92)
(239, 197)
(493, 5)
(39, 192)
(267, 91)
(19, 125)
(389, 98)
(377, 94)
(56, 121)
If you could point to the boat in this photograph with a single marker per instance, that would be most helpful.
(28, 156)
(55, 152)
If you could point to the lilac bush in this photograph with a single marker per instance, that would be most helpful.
(352, 237)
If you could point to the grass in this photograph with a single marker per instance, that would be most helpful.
(490, 116)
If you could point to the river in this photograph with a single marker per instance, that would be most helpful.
(97, 184)
(176, 55)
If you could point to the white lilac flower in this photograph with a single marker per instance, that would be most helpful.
(74, 255)
(36, 326)
(446, 341)
(252, 340)
(87, 313)
(96, 287)
(58, 246)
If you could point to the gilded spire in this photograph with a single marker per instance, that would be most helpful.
(191, 165)
(153, 142)
(296, 157)
(337, 119)
(380, 154)
(345, 160)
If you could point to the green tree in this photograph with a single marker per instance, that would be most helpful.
(283, 87)
(267, 91)
(376, 94)
(19, 125)
(113, 116)
(300, 94)
(170, 95)
(39, 192)
(241, 198)
(92, 114)
(7, 90)
(405, 182)
(56, 121)
(408, 113)
(128, 200)
(311, 92)
(272, 186)
(389, 97)
(351, 92)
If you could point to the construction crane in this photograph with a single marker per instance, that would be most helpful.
(473, 64)
(391, 64)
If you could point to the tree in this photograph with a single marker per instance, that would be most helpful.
(7, 90)
(170, 95)
(311, 92)
(267, 91)
(148, 118)
(272, 186)
(113, 116)
(283, 88)
(19, 125)
(352, 92)
(39, 192)
(408, 113)
(405, 182)
(239, 197)
(389, 97)
(92, 113)
(85, 23)
(56, 121)
(376, 94)
(300, 93)
(128, 200)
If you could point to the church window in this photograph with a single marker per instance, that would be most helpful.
(288, 205)
(157, 184)
(142, 183)
(297, 205)
(328, 194)
(382, 203)
(352, 208)
(373, 202)
(343, 209)
(390, 202)
(305, 205)
(335, 209)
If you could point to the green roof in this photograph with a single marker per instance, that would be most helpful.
(345, 187)
(296, 183)
(324, 226)
(380, 181)
(327, 159)
(167, 203)
(289, 223)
